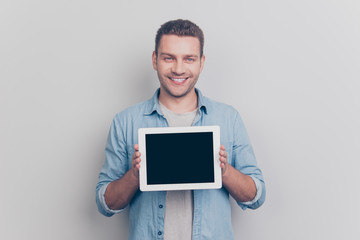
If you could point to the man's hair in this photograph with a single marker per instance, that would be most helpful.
(180, 28)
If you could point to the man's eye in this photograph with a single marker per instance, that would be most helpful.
(190, 59)
(168, 58)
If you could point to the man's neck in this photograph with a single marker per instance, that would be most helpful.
(187, 103)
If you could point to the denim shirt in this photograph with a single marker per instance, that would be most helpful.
(212, 211)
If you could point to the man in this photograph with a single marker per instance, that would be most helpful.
(199, 214)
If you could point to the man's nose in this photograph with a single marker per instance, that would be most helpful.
(178, 68)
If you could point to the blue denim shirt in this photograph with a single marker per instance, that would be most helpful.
(212, 212)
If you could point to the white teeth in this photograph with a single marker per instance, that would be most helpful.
(178, 79)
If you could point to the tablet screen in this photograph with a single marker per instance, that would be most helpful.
(179, 158)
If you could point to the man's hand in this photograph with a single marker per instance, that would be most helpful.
(241, 187)
(223, 159)
(135, 161)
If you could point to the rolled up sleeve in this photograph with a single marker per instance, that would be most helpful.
(115, 166)
(101, 203)
(244, 160)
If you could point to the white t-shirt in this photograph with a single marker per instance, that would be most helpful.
(179, 206)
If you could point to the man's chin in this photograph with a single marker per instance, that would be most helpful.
(178, 94)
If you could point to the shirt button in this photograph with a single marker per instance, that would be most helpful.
(161, 206)
(159, 233)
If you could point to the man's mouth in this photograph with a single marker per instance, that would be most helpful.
(178, 80)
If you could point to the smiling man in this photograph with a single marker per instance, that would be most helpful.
(178, 62)
(192, 214)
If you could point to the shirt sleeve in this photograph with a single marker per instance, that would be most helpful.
(115, 165)
(244, 160)
(102, 206)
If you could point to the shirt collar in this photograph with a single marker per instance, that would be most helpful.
(155, 107)
(154, 104)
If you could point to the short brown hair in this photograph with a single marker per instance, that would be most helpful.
(180, 27)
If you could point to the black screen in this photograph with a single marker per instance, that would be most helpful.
(180, 158)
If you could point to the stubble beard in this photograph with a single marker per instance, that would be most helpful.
(172, 94)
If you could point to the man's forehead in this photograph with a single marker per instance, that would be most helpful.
(172, 44)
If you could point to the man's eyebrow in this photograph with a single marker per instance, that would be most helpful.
(192, 55)
(168, 54)
(186, 55)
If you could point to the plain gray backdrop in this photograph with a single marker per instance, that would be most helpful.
(291, 68)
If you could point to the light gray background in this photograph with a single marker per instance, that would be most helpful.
(291, 68)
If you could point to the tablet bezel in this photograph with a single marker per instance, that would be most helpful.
(144, 186)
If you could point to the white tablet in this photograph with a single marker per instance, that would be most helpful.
(179, 158)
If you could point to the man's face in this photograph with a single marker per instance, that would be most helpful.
(178, 64)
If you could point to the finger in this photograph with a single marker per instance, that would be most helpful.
(221, 159)
(223, 165)
(222, 150)
(222, 153)
(136, 147)
(136, 155)
(136, 160)
(137, 166)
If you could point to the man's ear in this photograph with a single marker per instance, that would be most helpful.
(202, 62)
(154, 60)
